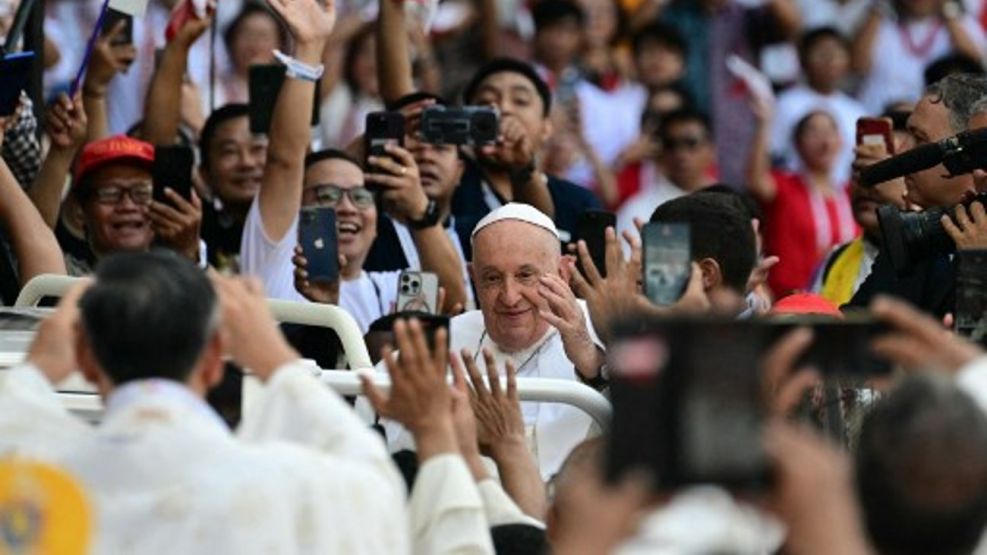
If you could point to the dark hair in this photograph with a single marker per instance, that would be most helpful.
(803, 122)
(685, 115)
(744, 200)
(412, 98)
(313, 158)
(509, 65)
(921, 469)
(547, 13)
(218, 117)
(959, 93)
(719, 229)
(519, 539)
(660, 34)
(809, 40)
(251, 7)
(949, 64)
(366, 32)
(148, 315)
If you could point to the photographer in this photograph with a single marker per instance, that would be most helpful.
(944, 110)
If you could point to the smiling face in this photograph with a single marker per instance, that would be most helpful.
(121, 226)
(509, 257)
(356, 226)
(930, 123)
(818, 141)
(255, 41)
(236, 162)
(515, 95)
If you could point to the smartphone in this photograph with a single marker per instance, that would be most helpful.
(469, 125)
(871, 131)
(383, 128)
(667, 261)
(418, 292)
(687, 404)
(263, 85)
(16, 70)
(317, 236)
(971, 295)
(840, 348)
(591, 227)
(110, 21)
(172, 168)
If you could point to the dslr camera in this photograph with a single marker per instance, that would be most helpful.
(469, 125)
(911, 236)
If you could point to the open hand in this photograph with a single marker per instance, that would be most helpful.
(107, 60)
(310, 21)
(177, 225)
(558, 306)
(500, 424)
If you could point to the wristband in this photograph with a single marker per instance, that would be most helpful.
(299, 70)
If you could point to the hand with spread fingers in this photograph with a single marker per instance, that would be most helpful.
(315, 291)
(420, 398)
(918, 342)
(783, 386)
(967, 227)
(558, 307)
(514, 148)
(177, 224)
(500, 424)
(310, 21)
(53, 349)
(107, 60)
(400, 184)
(465, 422)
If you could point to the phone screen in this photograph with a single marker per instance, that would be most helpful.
(16, 70)
(172, 168)
(667, 261)
(591, 227)
(318, 239)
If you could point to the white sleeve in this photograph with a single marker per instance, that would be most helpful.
(447, 513)
(32, 418)
(972, 379)
(387, 285)
(268, 260)
(500, 508)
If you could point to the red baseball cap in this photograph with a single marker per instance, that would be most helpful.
(119, 148)
(806, 303)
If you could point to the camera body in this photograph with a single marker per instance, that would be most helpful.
(469, 125)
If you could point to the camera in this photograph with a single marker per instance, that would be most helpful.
(912, 236)
(469, 125)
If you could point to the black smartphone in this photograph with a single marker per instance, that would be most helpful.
(970, 319)
(264, 82)
(16, 70)
(591, 227)
(667, 260)
(383, 128)
(317, 236)
(469, 125)
(172, 168)
(110, 21)
(840, 348)
(687, 404)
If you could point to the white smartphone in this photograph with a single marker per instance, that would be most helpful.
(418, 292)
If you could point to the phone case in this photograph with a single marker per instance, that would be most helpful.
(418, 292)
(876, 131)
(667, 261)
(317, 237)
(383, 128)
(16, 70)
(172, 168)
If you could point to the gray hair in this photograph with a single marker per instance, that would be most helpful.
(960, 93)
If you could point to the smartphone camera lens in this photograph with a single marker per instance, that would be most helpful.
(405, 289)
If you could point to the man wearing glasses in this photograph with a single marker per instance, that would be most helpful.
(113, 187)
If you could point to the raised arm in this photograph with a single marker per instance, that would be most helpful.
(67, 128)
(393, 61)
(863, 44)
(163, 107)
(760, 182)
(788, 19)
(961, 39)
(107, 60)
(280, 195)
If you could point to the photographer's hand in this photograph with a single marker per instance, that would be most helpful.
(968, 228)
(316, 292)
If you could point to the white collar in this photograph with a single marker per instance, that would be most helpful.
(164, 391)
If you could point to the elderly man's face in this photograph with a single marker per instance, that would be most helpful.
(509, 257)
(928, 188)
(116, 209)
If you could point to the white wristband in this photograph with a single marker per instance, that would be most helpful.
(300, 70)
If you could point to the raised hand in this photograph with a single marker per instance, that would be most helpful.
(401, 187)
(53, 349)
(310, 21)
(968, 228)
(919, 342)
(107, 60)
(783, 386)
(317, 292)
(177, 225)
(558, 306)
(500, 425)
(514, 148)
(66, 123)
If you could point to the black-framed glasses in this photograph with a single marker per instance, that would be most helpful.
(329, 195)
(140, 194)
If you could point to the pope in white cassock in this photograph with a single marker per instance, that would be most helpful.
(529, 315)
(162, 472)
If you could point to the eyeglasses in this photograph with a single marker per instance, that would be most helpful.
(688, 143)
(140, 194)
(331, 195)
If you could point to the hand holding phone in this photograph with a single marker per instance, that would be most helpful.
(172, 168)
(876, 131)
(667, 261)
(318, 240)
(16, 70)
(383, 128)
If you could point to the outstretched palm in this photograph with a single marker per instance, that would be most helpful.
(308, 20)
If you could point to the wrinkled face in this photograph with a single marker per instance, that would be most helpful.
(826, 63)
(514, 95)
(509, 257)
(118, 226)
(687, 153)
(254, 41)
(928, 123)
(601, 21)
(236, 162)
(819, 142)
(658, 65)
(439, 166)
(356, 226)
(557, 45)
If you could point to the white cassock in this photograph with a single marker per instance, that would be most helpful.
(165, 475)
(554, 429)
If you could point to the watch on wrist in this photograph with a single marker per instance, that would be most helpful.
(429, 219)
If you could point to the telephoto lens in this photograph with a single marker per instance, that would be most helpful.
(910, 237)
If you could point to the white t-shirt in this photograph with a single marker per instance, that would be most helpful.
(897, 70)
(366, 298)
(655, 190)
(796, 103)
(611, 121)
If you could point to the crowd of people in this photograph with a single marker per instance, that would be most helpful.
(738, 118)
